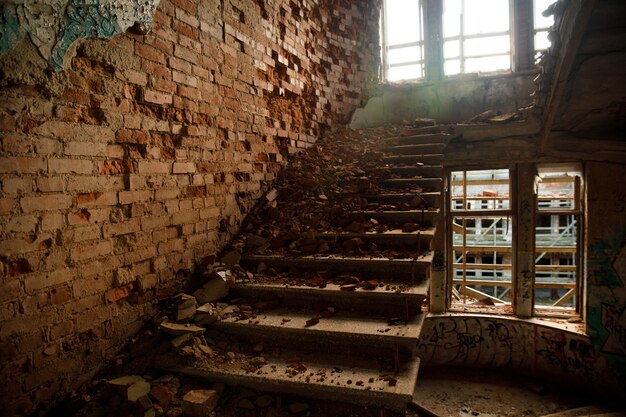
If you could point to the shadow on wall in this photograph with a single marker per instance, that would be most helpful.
(450, 101)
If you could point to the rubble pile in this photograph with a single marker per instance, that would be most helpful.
(138, 387)
(310, 211)
(318, 193)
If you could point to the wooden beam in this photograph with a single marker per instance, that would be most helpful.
(564, 145)
(572, 32)
(565, 297)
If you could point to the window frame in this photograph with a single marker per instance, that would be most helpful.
(462, 37)
(465, 213)
(386, 47)
(523, 207)
(521, 51)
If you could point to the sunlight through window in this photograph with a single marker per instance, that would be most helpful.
(476, 36)
(404, 40)
(542, 25)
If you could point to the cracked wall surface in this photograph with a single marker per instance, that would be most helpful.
(138, 162)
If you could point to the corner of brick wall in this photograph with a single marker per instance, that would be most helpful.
(122, 173)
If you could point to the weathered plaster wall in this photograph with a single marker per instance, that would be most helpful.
(606, 263)
(124, 171)
(451, 100)
(538, 347)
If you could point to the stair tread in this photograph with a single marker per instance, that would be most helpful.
(388, 233)
(425, 257)
(417, 290)
(404, 147)
(327, 376)
(341, 324)
(399, 212)
(413, 179)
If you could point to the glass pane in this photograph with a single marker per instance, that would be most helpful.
(482, 259)
(483, 189)
(541, 41)
(451, 18)
(405, 72)
(451, 49)
(400, 55)
(452, 67)
(542, 22)
(486, 16)
(556, 188)
(487, 46)
(488, 64)
(555, 261)
(403, 21)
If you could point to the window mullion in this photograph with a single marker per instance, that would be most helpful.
(524, 237)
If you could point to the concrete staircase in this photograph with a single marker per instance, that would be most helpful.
(346, 327)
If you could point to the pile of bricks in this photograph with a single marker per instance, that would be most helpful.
(122, 173)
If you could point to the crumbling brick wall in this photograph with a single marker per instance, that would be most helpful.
(125, 171)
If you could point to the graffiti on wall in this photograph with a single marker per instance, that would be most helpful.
(475, 341)
(614, 322)
(53, 26)
(502, 342)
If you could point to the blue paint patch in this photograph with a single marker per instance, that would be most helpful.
(82, 21)
(10, 32)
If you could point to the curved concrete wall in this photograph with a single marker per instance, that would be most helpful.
(542, 348)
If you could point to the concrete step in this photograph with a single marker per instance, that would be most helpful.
(427, 130)
(426, 184)
(407, 216)
(409, 269)
(416, 149)
(288, 326)
(430, 198)
(388, 238)
(426, 159)
(401, 300)
(428, 138)
(435, 171)
(342, 378)
(587, 411)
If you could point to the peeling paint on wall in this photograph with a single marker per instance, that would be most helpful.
(55, 25)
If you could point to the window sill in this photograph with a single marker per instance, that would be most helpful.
(460, 78)
(561, 323)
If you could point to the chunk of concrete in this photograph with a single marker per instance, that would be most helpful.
(212, 291)
(200, 402)
(180, 329)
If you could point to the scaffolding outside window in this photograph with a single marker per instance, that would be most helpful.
(403, 40)
(557, 237)
(482, 237)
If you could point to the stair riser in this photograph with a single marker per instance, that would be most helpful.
(397, 221)
(415, 149)
(423, 139)
(434, 171)
(406, 271)
(413, 159)
(387, 304)
(383, 241)
(430, 199)
(426, 184)
(305, 340)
